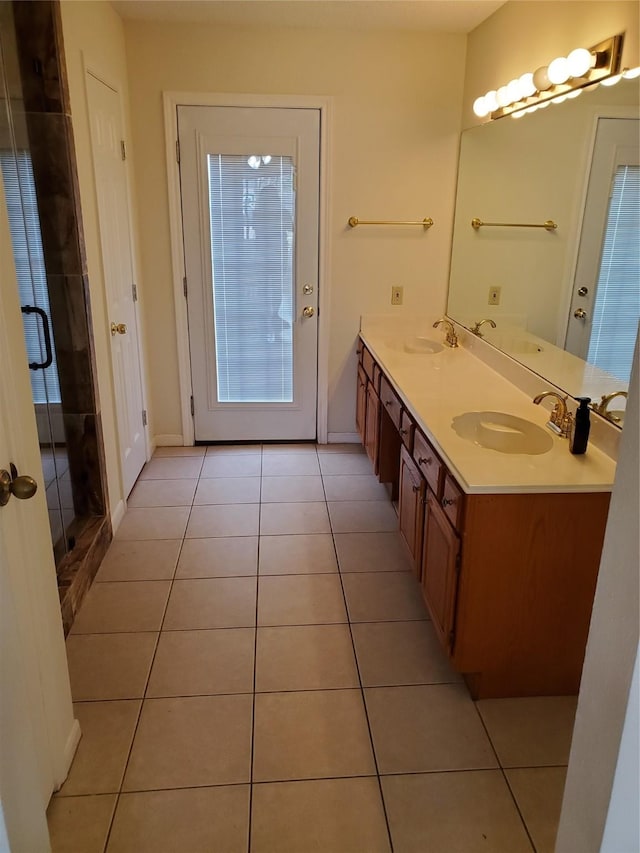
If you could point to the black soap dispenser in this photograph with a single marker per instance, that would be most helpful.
(579, 433)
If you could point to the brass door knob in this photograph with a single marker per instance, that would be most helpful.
(580, 314)
(22, 488)
(118, 329)
(308, 311)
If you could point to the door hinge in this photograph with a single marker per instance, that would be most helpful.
(134, 292)
(123, 149)
(144, 417)
(184, 286)
(193, 409)
(177, 150)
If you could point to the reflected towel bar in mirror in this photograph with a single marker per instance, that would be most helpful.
(549, 225)
(427, 222)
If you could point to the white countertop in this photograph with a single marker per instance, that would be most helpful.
(437, 387)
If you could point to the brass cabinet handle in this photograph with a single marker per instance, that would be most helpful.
(447, 502)
(423, 461)
(416, 489)
(404, 431)
(22, 488)
(118, 329)
(308, 311)
(388, 402)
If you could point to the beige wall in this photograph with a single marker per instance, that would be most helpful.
(393, 154)
(94, 38)
(522, 36)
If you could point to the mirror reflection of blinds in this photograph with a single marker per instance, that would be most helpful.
(252, 243)
(24, 225)
(617, 304)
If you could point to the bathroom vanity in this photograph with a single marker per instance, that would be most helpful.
(504, 526)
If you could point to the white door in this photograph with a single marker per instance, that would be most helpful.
(107, 142)
(250, 194)
(603, 317)
(37, 730)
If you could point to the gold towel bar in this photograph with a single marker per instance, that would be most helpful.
(549, 225)
(426, 223)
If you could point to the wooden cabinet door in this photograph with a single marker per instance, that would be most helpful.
(440, 563)
(372, 422)
(361, 403)
(411, 510)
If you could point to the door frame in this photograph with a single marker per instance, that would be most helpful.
(171, 102)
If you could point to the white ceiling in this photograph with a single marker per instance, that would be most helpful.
(454, 16)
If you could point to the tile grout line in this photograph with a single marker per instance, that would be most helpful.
(146, 685)
(504, 776)
(357, 663)
(255, 665)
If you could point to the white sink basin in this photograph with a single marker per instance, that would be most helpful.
(503, 432)
(417, 345)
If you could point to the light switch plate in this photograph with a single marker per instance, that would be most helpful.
(494, 295)
(396, 294)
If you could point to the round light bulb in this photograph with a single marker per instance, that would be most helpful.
(631, 73)
(558, 71)
(480, 107)
(514, 90)
(543, 105)
(491, 99)
(532, 109)
(541, 78)
(579, 62)
(503, 97)
(559, 100)
(518, 114)
(527, 86)
(575, 94)
(266, 159)
(254, 161)
(611, 81)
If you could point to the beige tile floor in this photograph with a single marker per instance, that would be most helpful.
(254, 670)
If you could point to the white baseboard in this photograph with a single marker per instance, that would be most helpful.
(68, 754)
(343, 438)
(169, 441)
(117, 515)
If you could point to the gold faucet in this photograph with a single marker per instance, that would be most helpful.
(602, 408)
(451, 339)
(560, 419)
(478, 326)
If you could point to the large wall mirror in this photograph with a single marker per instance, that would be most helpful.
(564, 300)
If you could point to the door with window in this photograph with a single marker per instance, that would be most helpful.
(605, 308)
(250, 195)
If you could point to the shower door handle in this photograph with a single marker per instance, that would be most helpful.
(41, 365)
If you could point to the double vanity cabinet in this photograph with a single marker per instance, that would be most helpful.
(507, 565)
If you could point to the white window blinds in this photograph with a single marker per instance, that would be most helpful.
(617, 303)
(251, 201)
(24, 224)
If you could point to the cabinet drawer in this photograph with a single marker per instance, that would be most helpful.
(427, 461)
(390, 402)
(452, 501)
(407, 429)
(367, 362)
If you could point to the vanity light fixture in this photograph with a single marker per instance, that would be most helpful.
(563, 77)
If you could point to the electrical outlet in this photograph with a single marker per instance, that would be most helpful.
(494, 295)
(396, 294)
